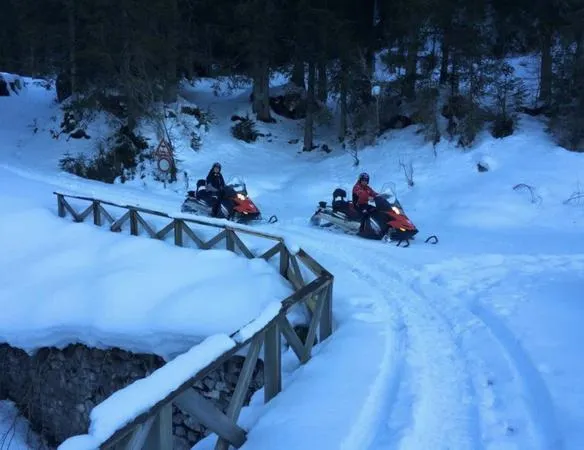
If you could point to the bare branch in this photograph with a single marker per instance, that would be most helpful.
(535, 198)
(408, 169)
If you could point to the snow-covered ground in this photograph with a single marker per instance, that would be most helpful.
(469, 344)
(62, 282)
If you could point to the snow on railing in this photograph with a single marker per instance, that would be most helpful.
(140, 414)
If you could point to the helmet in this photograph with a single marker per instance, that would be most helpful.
(216, 165)
(364, 176)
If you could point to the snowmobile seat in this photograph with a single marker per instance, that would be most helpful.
(201, 184)
(340, 193)
(339, 200)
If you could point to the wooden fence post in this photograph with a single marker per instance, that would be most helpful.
(178, 232)
(326, 319)
(160, 436)
(284, 261)
(272, 362)
(61, 205)
(133, 222)
(229, 240)
(96, 213)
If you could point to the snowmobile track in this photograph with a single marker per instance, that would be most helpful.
(429, 393)
(500, 371)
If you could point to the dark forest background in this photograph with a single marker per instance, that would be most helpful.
(450, 58)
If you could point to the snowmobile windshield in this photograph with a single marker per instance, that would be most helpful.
(382, 203)
(237, 183)
(388, 192)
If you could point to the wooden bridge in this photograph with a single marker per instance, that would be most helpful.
(153, 428)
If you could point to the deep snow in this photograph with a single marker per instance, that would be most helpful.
(62, 282)
(472, 343)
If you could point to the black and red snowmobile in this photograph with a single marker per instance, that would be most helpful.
(386, 220)
(235, 203)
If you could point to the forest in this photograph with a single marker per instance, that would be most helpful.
(448, 59)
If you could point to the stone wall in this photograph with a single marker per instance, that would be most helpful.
(56, 389)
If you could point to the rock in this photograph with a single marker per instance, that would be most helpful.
(79, 133)
(4, 92)
(59, 388)
(291, 105)
(398, 121)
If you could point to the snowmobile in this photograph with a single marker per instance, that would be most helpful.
(235, 203)
(386, 221)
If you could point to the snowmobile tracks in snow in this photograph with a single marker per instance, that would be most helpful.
(152, 425)
(515, 405)
(462, 379)
(434, 405)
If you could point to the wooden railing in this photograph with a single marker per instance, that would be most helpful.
(153, 428)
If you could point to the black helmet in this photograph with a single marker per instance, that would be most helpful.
(364, 176)
(216, 165)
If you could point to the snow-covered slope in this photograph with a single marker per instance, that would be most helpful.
(471, 343)
(62, 282)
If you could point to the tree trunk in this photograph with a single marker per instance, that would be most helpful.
(72, 46)
(322, 82)
(308, 123)
(445, 57)
(454, 78)
(546, 74)
(298, 74)
(343, 101)
(170, 93)
(261, 91)
(411, 66)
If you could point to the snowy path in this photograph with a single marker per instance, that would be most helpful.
(461, 379)
(429, 401)
(514, 406)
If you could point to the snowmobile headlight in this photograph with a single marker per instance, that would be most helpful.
(241, 196)
(396, 210)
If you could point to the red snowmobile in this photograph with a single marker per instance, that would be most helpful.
(235, 203)
(386, 221)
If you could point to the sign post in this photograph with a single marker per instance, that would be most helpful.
(164, 157)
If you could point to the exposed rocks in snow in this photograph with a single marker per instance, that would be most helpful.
(290, 101)
(79, 133)
(9, 84)
(396, 122)
(4, 92)
(56, 389)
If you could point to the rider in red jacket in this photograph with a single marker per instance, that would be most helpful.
(362, 193)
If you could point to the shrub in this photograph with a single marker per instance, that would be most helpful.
(245, 130)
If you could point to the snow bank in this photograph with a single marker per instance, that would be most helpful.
(139, 397)
(268, 314)
(62, 283)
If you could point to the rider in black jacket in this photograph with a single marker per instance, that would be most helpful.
(215, 185)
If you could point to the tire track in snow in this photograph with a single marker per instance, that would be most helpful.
(536, 394)
(384, 390)
(429, 399)
(513, 395)
(444, 414)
